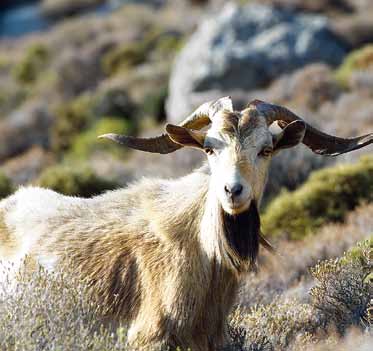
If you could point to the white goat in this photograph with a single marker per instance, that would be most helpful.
(166, 256)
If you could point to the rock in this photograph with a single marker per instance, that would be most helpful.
(292, 167)
(57, 9)
(350, 115)
(26, 167)
(153, 3)
(309, 87)
(23, 128)
(244, 48)
(324, 6)
(79, 70)
(360, 5)
(356, 29)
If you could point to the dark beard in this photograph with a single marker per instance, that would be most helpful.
(242, 233)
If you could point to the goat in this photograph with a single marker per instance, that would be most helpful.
(166, 256)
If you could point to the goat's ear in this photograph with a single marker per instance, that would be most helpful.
(186, 137)
(290, 136)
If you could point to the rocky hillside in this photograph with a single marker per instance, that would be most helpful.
(129, 68)
(72, 70)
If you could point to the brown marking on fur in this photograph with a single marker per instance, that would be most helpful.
(237, 125)
(8, 244)
(249, 121)
(230, 121)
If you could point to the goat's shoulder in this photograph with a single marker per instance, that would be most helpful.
(147, 191)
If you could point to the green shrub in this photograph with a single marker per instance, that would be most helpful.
(124, 57)
(87, 143)
(6, 186)
(77, 181)
(79, 122)
(360, 59)
(326, 197)
(343, 293)
(156, 42)
(33, 63)
(71, 119)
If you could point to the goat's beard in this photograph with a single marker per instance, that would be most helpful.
(242, 233)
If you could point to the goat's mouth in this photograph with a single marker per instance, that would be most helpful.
(234, 207)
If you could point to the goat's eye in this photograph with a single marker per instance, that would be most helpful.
(266, 152)
(209, 151)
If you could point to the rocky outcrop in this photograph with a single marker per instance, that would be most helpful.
(244, 48)
(24, 128)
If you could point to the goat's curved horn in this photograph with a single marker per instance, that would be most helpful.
(318, 141)
(163, 144)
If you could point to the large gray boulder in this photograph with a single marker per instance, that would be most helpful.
(244, 48)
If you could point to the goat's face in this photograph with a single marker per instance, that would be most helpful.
(239, 147)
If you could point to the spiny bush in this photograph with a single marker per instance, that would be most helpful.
(344, 287)
(326, 197)
(361, 59)
(340, 299)
(6, 186)
(52, 311)
(77, 181)
(273, 327)
(33, 63)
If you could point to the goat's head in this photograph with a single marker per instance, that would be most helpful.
(239, 145)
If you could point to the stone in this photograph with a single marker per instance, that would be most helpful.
(245, 48)
(25, 127)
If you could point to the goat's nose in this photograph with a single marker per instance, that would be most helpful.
(234, 190)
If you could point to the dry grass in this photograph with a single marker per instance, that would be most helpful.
(45, 311)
